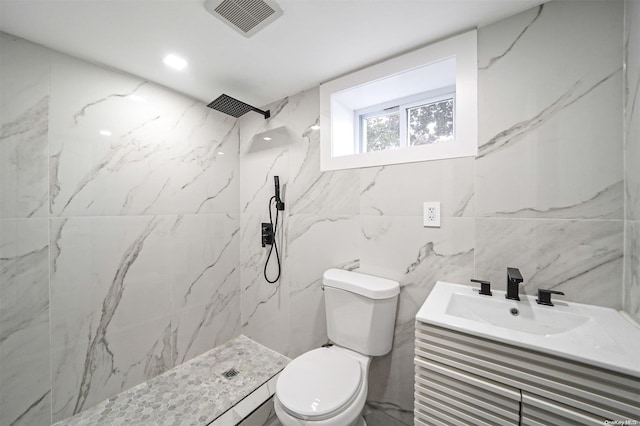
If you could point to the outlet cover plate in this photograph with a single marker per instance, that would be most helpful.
(432, 214)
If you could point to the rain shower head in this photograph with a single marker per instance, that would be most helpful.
(233, 107)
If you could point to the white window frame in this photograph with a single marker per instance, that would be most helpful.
(337, 120)
(403, 106)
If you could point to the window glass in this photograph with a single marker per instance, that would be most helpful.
(381, 131)
(431, 123)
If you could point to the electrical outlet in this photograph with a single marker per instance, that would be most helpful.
(432, 214)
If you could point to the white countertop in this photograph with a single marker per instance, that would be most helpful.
(605, 339)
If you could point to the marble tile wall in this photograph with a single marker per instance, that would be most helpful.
(119, 251)
(545, 193)
(142, 249)
(632, 159)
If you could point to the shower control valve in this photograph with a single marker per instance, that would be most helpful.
(267, 233)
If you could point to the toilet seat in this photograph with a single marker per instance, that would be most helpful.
(319, 384)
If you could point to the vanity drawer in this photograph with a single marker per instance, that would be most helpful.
(455, 397)
(538, 411)
(606, 394)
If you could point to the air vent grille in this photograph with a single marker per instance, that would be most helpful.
(245, 16)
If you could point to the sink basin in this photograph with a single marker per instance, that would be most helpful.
(512, 315)
(592, 334)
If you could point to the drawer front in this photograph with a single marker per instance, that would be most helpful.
(603, 393)
(541, 411)
(448, 396)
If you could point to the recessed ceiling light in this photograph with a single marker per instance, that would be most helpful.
(175, 62)
(105, 133)
(267, 138)
(220, 153)
(315, 127)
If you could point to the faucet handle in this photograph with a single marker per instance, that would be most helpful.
(485, 287)
(544, 296)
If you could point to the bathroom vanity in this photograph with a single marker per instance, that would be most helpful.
(485, 360)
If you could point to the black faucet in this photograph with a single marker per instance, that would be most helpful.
(514, 278)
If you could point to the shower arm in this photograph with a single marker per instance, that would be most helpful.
(266, 113)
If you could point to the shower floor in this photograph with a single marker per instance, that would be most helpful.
(220, 387)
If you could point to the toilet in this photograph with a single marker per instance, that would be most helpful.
(328, 386)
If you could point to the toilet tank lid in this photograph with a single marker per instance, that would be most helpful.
(363, 284)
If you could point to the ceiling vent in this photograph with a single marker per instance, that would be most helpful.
(245, 16)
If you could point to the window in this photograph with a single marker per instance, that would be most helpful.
(416, 107)
(424, 119)
(380, 130)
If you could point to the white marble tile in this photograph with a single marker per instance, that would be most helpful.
(401, 190)
(100, 367)
(315, 244)
(313, 191)
(104, 266)
(581, 258)
(264, 306)
(200, 328)
(550, 116)
(631, 292)
(134, 296)
(25, 389)
(392, 382)
(24, 109)
(131, 295)
(227, 419)
(631, 295)
(164, 153)
(632, 110)
(265, 415)
(271, 384)
(204, 251)
(250, 403)
(257, 170)
(110, 301)
(401, 248)
(260, 162)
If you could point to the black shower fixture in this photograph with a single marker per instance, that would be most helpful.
(235, 108)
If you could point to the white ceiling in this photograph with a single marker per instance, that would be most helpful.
(314, 41)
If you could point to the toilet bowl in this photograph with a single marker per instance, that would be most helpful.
(323, 387)
(328, 386)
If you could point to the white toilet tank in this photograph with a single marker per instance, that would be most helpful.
(361, 310)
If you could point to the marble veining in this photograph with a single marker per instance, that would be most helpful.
(84, 108)
(145, 150)
(511, 135)
(581, 258)
(513, 43)
(98, 350)
(612, 195)
(548, 193)
(547, 148)
(193, 393)
(25, 391)
(119, 234)
(23, 149)
(631, 293)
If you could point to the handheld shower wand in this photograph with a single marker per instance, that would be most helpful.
(269, 230)
(279, 203)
